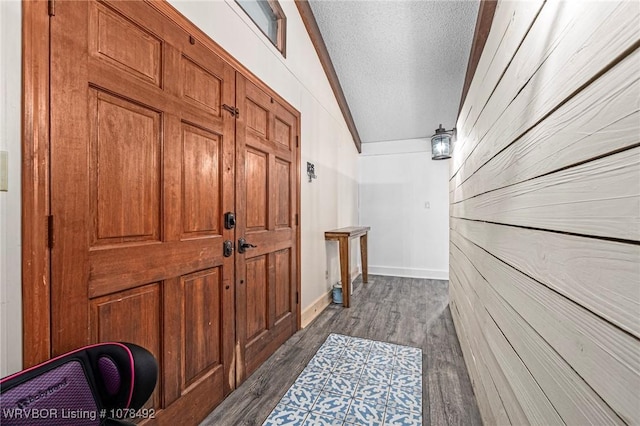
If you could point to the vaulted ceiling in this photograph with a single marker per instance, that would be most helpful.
(401, 63)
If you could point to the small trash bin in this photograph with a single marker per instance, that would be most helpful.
(337, 293)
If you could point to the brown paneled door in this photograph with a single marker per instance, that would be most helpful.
(142, 171)
(266, 200)
(148, 153)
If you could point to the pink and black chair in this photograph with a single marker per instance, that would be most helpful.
(95, 385)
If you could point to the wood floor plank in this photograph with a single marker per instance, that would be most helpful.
(406, 311)
(445, 387)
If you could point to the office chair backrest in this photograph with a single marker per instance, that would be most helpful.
(89, 386)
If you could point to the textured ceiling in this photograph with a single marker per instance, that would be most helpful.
(401, 63)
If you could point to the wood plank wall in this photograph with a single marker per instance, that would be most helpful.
(545, 216)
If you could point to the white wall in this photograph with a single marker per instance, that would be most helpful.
(331, 200)
(545, 216)
(10, 244)
(404, 198)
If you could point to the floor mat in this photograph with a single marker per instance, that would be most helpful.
(355, 381)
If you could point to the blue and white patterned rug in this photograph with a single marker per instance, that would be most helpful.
(354, 381)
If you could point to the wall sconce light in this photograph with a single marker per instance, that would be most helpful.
(441, 144)
(311, 171)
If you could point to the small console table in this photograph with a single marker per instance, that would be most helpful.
(343, 235)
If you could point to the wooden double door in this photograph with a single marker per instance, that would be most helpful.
(154, 140)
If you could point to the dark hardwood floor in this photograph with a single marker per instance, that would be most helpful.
(407, 311)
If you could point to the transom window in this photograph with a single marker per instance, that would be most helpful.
(269, 17)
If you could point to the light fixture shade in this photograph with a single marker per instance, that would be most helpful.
(441, 144)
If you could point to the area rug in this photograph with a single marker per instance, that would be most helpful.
(355, 381)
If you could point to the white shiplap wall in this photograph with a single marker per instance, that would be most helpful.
(545, 216)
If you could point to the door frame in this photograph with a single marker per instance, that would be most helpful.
(36, 284)
(35, 210)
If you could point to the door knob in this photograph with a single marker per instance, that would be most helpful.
(243, 245)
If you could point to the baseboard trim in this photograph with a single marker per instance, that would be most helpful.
(320, 304)
(316, 308)
(354, 273)
(392, 271)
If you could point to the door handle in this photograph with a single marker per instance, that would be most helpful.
(243, 245)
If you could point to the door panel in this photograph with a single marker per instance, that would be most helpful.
(266, 185)
(142, 170)
(201, 86)
(109, 31)
(283, 284)
(201, 172)
(131, 316)
(124, 170)
(256, 173)
(283, 133)
(283, 193)
(257, 116)
(257, 296)
(201, 321)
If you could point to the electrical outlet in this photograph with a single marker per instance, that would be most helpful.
(326, 274)
(4, 171)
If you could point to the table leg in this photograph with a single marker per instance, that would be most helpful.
(363, 256)
(344, 271)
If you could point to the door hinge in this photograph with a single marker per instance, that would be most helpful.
(297, 298)
(50, 231)
(297, 141)
(235, 112)
(52, 7)
(296, 219)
